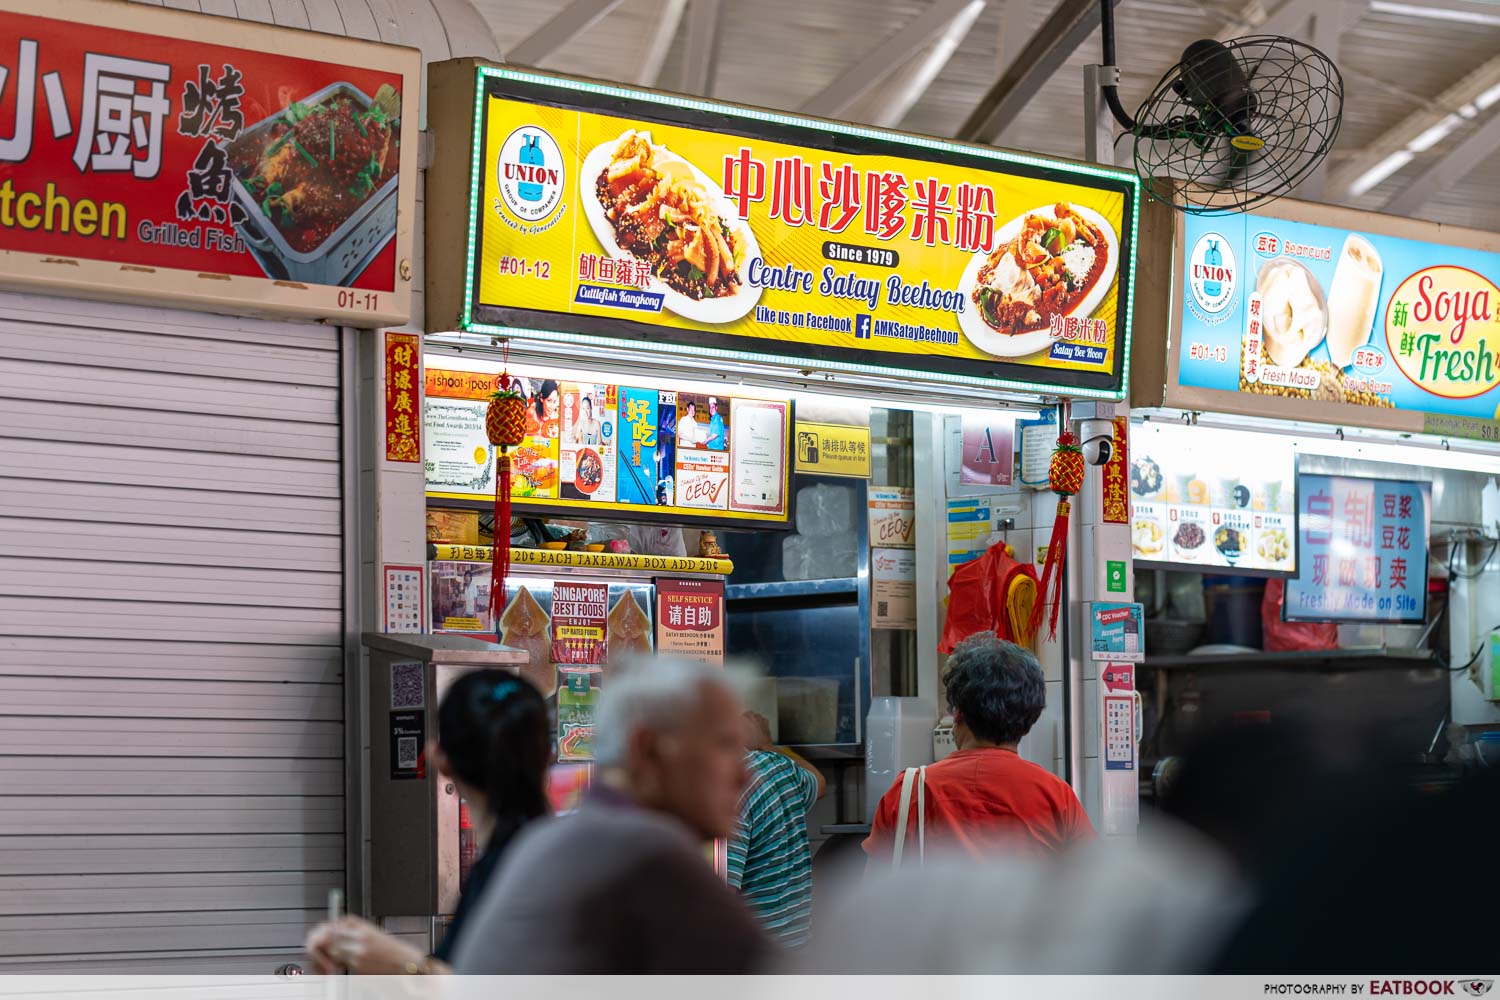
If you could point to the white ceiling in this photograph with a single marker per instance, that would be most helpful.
(1398, 57)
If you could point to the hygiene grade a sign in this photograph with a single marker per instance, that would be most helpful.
(1319, 314)
(159, 155)
(612, 215)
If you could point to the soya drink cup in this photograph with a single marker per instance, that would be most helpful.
(1352, 299)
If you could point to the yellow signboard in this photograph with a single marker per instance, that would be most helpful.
(718, 231)
(833, 450)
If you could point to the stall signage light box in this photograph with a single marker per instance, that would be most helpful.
(1319, 314)
(160, 155)
(1362, 548)
(611, 450)
(603, 214)
(1215, 500)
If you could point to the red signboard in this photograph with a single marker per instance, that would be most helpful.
(1116, 479)
(138, 157)
(690, 619)
(403, 427)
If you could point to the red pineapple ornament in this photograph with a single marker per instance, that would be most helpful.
(1065, 477)
(505, 425)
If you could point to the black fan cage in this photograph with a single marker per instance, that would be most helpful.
(1207, 159)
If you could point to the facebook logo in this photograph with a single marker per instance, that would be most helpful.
(862, 326)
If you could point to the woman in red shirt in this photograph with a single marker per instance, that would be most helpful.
(983, 798)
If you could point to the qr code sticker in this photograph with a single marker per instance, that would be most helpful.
(882, 609)
(406, 753)
(406, 685)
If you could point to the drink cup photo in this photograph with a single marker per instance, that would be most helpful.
(1352, 299)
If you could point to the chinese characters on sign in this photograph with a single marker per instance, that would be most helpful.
(1363, 550)
(1115, 482)
(833, 450)
(690, 619)
(147, 158)
(836, 250)
(403, 430)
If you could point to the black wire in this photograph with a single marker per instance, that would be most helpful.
(1107, 43)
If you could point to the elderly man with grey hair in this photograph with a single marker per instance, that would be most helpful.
(624, 885)
(983, 799)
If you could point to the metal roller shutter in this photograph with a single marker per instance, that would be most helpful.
(171, 637)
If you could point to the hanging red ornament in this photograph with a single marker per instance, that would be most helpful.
(505, 425)
(1065, 477)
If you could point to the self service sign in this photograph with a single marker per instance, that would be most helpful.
(1362, 550)
(605, 214)
(1321, 314)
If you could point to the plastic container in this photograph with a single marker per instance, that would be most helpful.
(898, 735)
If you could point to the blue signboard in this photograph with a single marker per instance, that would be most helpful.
(1362, 550)
(1302, 311)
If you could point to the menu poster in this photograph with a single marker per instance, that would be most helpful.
(534, 463)
(1363, 551)
(579, 614)
(893, 589)
(1212, 499)
(637, 422)
(690, 619)
(702, 451)
(610, 450)
(666, 449)
(893, 517)
(587, 448)
(758, 436)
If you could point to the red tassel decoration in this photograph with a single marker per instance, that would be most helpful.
(1065, 477)
(505, 425)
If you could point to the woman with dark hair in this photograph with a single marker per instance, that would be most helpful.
(494, 742)
(543, 410)
(983, 799)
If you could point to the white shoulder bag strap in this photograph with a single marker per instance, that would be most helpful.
(917, 776)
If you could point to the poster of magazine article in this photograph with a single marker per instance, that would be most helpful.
(702, 451)
(587, 464)
(666, 450)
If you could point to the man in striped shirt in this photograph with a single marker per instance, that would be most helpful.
(770, 861)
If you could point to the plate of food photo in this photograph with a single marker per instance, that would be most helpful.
(1053, 261)
(644, 201)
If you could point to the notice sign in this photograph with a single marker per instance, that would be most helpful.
(799, 242)
(1116, 632)
(893, 588)
(158, 155)
(833, 450)
(1363, 550)
(690, 619)
(579, 614)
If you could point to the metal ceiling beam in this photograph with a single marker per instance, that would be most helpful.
(668, 20)
(1452, 167)
(1066, 28)
(701, 56)
(865, 78)
(572, 20)
(1289, 18)
(1458, 11)
(1418, 131)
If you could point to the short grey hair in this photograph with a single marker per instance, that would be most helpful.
(996, 686)
(653, 693)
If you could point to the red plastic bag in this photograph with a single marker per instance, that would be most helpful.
(977, 599)
(1290, 637)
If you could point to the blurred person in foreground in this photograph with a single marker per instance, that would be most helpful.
(984, 800)
(495, 742)
(624, 884)
(770, 859)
